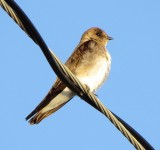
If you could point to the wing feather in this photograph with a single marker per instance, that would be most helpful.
(59, 86)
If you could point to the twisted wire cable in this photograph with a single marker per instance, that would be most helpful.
(14, 16)
(74, 84)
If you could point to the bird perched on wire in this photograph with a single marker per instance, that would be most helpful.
(90, 63)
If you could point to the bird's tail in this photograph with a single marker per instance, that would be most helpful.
(41, 115)
(49, 105)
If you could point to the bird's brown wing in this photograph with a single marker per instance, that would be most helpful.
(54, 91)
(59, 86)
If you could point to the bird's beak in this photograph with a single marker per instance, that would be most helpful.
(110, 38)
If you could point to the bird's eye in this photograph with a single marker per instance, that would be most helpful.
(98, 34)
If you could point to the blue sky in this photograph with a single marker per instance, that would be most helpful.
(132, 90)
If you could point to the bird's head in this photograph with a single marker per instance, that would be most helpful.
(97, 35)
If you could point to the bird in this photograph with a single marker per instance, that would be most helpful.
(90, 62)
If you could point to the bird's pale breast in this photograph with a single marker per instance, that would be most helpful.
(93, 71)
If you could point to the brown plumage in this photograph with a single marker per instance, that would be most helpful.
(85, 63)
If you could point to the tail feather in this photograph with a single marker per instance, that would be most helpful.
(31, 114)
(41, 115)
(49, 105)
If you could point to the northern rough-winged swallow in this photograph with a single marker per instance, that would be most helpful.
(90, 62)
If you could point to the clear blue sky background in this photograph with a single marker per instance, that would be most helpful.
(132, 90)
